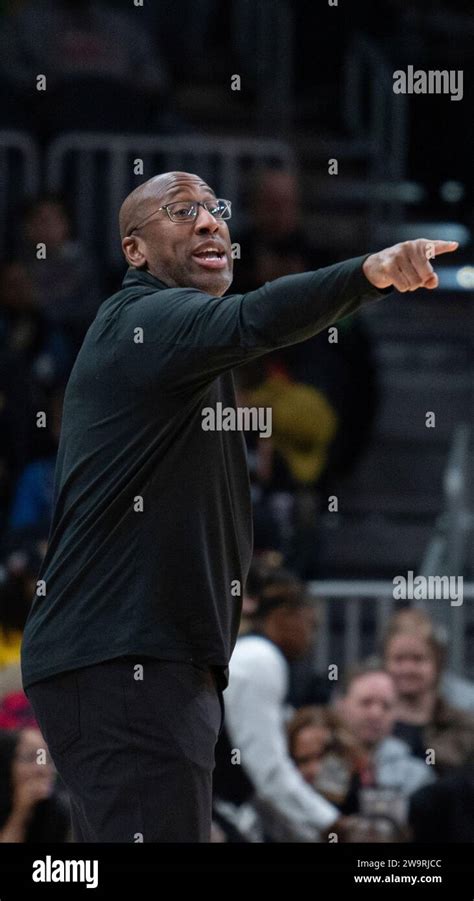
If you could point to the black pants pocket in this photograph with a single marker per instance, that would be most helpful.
(55, 703)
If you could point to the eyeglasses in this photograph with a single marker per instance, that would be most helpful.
(187, 211)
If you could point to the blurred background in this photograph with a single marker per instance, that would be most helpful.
(288, 109)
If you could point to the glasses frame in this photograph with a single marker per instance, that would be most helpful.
(198, 203)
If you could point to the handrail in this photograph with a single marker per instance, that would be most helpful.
(363, 589)
(446, 550)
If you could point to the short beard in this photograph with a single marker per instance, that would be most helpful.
(184, 281)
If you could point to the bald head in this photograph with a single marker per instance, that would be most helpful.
(149, 196)
(168, 249)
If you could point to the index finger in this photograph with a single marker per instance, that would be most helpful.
(439, 247)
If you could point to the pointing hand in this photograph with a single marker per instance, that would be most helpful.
(406, 266)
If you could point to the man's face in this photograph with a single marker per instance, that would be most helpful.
(369, 708)
(175, 252)
(298, 629)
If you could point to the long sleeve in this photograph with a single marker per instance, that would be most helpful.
(201, 336)
(254, 704)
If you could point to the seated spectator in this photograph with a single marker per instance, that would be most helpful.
(256, 715)
(415, 657)
(324, 751)
(40, 345)
(388, 773)
(345, 373)
(288, 466)
(66, 282)
(33, 496)
(303, 421)
(32, 810)
(275, 243)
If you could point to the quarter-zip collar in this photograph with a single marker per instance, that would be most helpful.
(134, 277)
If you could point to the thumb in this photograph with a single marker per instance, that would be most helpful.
(432, 281)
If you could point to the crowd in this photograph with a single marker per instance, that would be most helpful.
(369, 755)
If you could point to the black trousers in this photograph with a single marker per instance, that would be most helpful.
(133, 740)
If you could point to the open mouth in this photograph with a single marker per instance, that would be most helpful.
(211, 258)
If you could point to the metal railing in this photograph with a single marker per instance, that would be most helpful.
(353, 615)
(446, 553)
(19, 173)
(98, 170)
(372, 113)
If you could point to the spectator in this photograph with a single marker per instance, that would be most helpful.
(31, 809)
(344, 372)
(260, 570)
(414, 656)
(388, 772)
(66, 281)
(324, 751)
(33, 498)
(289, 465)
(275, 243)
(39, 345)
(256, 714)
(303, 421)
(328, 759)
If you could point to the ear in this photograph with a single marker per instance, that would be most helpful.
(134, 251)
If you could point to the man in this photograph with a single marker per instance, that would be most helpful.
(138, 603)
(389, 773)
(257, 712)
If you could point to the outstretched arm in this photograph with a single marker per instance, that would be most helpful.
(202, 336)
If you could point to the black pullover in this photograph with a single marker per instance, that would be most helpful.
(151, 535)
